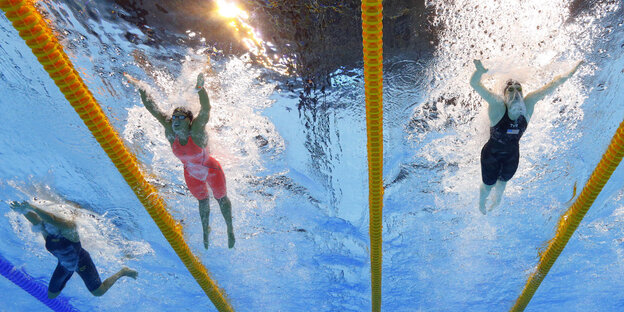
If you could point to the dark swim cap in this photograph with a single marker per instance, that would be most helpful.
(185, 111)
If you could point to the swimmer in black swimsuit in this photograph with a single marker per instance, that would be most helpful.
(509, 117)
(61, 240)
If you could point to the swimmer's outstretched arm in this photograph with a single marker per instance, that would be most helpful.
(148, 101)
(199, 123)
(69, 201)
(41, 215)
(475, 82)
(532, 98)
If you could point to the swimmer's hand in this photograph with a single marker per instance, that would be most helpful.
(200, 82)
(569, 74)
(20, 207)
(579, 63)
(479, 66)
(132, 80)
(576, 67)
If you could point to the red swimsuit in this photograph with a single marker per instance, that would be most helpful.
(200, 168)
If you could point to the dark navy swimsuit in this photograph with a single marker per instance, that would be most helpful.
(71, 257)
(500, 155)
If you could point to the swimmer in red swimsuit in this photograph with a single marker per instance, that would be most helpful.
(187, 136)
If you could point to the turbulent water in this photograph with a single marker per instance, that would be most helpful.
(294, 154)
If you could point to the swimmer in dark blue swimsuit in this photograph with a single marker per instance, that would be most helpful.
(61, 240)
(509, 118)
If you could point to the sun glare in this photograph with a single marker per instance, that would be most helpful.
(230, 10)
(237, 19)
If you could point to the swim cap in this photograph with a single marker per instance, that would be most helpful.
(512, 83)
(185, 111)
(511, 87)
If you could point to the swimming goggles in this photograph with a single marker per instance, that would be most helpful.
(181, 117)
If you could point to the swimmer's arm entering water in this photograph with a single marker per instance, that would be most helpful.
(58, 221)
(496, 106)
(532, 98)
(148, 102)
(198, 127)
(70, 202)
(36, 215)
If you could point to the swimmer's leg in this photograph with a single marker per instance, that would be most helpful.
(89, 274)
(108, 283)
(226, 210)
(216, 180)
(499, 188)
(58, 280)
(199, 189)
(204, 213)
(507, 171)
(484, 191)
(490, 169)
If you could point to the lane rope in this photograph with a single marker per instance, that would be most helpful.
(372, 40)
(45, 46)
(572, 218)
(35, 288)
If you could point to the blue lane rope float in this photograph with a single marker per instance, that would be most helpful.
(35, 288)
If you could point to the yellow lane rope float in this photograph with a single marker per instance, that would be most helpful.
(38, 36)
(372, 35)
(571, 219)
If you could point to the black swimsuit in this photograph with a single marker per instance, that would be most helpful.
(500, 155)
(71, 257)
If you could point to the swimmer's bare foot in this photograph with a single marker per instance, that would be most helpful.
(125, 271)
(484, 191)
(231, 239)
(496, 200)
(207, 237)
(482, 206)
(497, 195)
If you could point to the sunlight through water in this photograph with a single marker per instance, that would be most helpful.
(262, 51)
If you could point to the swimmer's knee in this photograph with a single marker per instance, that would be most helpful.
(53, 295)
(201, 195)
(223, 199)
(100, 290)
(486, 186)
(503, 179)
(488, 183)
(204, 202)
